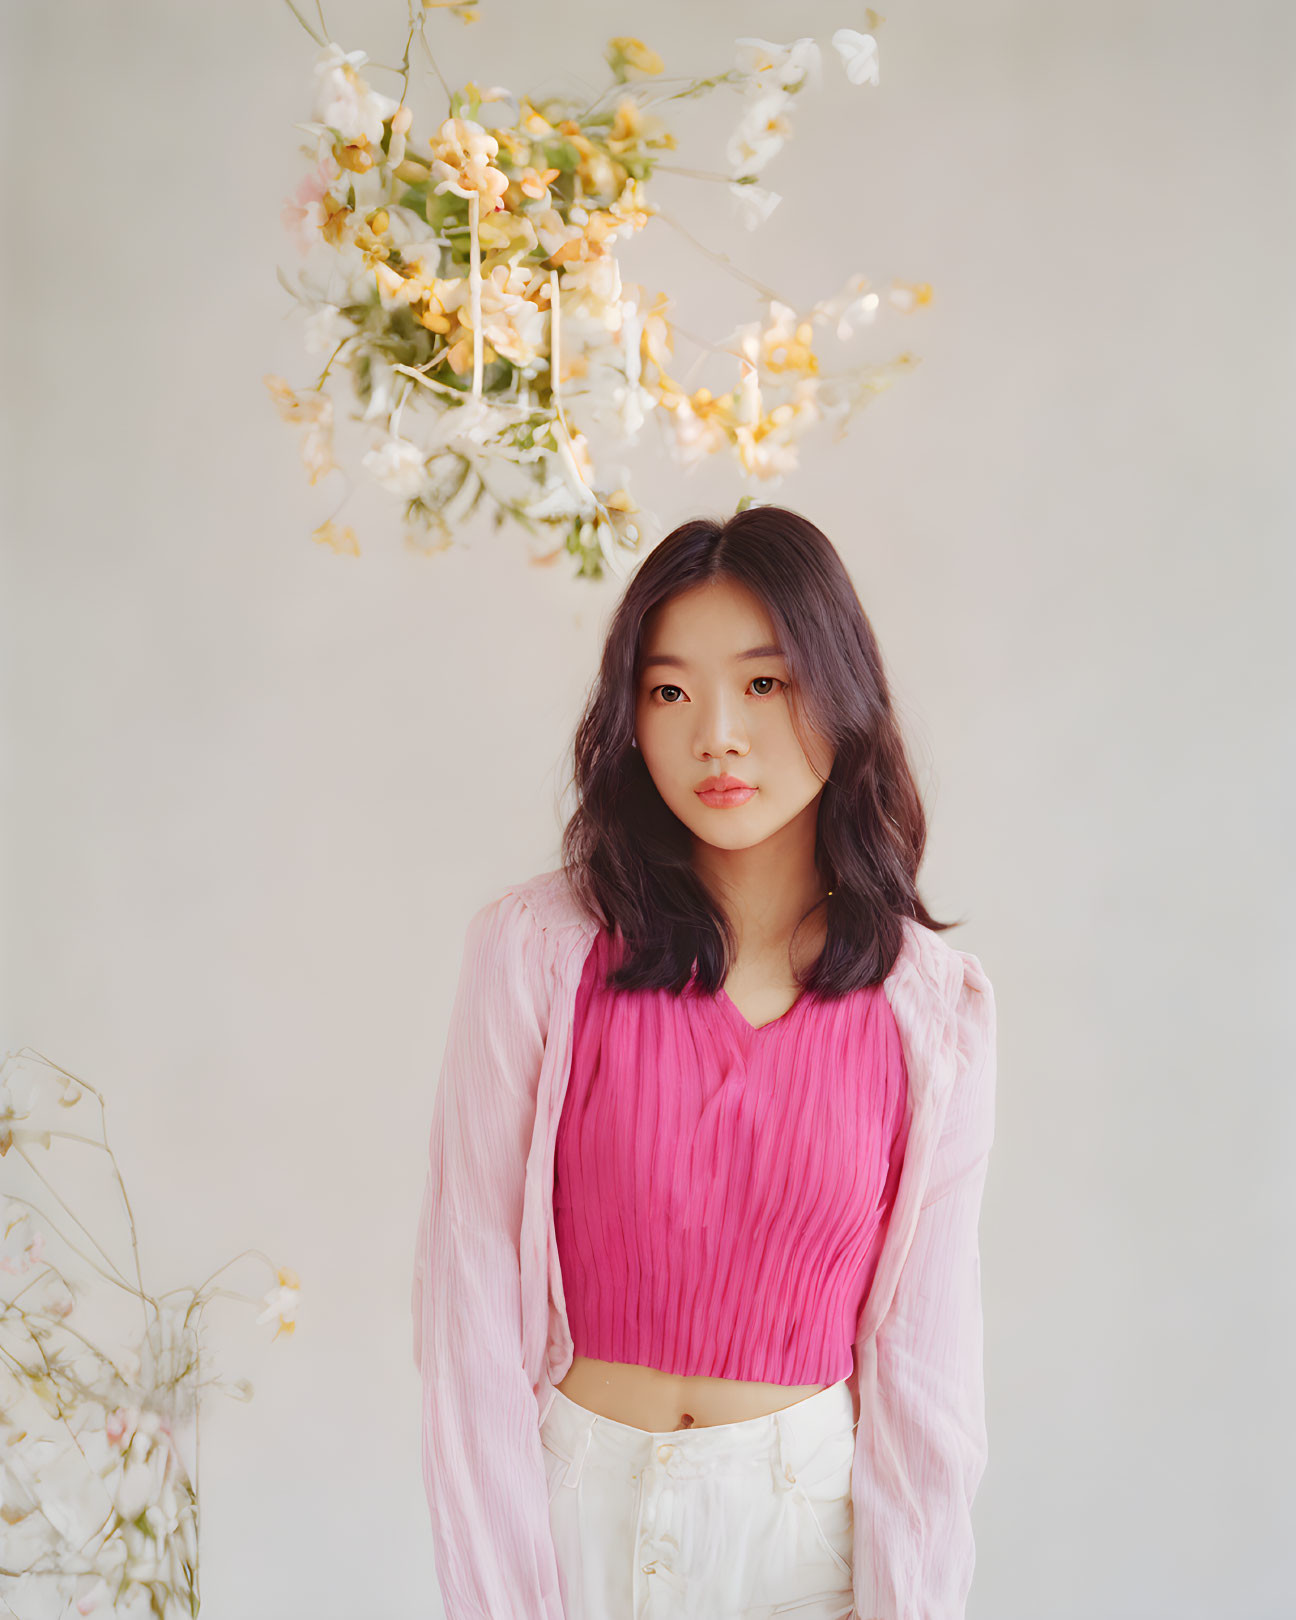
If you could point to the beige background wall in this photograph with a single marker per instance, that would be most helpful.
(253, 790)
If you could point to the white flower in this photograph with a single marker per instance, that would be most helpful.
(325, 328)
(632, 325)
(22, 1091)
(593, 287)
(134, 1490)
(790, 67)
(696, 437)
(854, 303)
(466, 427)
(383, 381)
(760, 133)
(370, 190)
(93, 1590)
(511, 323)
(748, 408)
(408, 230)
(559, 500)
(552, 231)
(282, 1300)
(570, 495)
(343, 99)
(615, 395)
(398, 466)
(755, 204)
(775, 453)
(859, 54)
(21, 1243)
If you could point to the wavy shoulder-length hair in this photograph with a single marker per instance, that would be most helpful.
(627, 855)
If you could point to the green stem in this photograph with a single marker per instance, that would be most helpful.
(723, 260)
(320, 42)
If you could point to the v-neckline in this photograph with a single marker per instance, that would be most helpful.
(758, 1029)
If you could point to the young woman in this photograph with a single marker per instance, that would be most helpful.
(697, 1297)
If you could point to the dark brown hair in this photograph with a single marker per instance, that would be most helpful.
(628, 856)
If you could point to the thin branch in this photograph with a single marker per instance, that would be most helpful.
(320, 42)
(723, 260)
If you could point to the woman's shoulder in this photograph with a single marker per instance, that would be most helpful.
(547, 900)
(940, 961)
(940, 984)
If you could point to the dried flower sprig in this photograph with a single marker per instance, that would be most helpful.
(99, 1505)
(474, 298)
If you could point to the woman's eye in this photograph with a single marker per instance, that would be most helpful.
(756, 681)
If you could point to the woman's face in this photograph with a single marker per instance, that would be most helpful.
(714, 700)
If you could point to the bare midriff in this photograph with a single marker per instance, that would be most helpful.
(646, 1398)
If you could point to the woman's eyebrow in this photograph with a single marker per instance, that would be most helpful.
(682, 663)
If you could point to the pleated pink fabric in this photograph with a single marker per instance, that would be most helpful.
(492, 1337)
(720, 1190)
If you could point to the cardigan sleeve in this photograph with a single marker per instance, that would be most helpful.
(929, 1431)
(483, 1467)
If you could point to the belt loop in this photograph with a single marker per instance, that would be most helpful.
(784, 1478)
(573, 1474)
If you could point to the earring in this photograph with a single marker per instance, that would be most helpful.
(634, 742)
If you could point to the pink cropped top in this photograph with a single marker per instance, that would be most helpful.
(721, 1190)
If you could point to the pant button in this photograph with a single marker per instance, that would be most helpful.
(665, 1451)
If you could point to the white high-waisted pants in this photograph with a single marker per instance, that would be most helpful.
(731, 1520)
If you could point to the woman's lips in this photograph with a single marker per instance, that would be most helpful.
(725, 798)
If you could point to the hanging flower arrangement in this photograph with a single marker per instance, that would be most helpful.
(472, 296)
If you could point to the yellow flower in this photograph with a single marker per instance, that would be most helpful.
(628, 123)
(460, 355)
(461, 160)
(281, 1302)
(338, 227)
(657, 341)
(512, 323)
(341, 540)
(295, 407)
(791, 353)
(633, 127)
(373, 250)
(517, 150)
(532, 121)
(600, 175)
(438, 535)
(634, 53)
(317, 449)
(433, 316)
(907, 296)
(411, 171)
(632, 207)
(354, 155)
(391, 283)
(505, 233)
(786, 344)
(315, 414)
(572, 251)
(535, 183)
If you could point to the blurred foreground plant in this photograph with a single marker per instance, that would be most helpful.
(99, 1510)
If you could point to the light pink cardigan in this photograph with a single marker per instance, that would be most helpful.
(491, 1338)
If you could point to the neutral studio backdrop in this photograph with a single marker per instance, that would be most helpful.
(253, 790)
